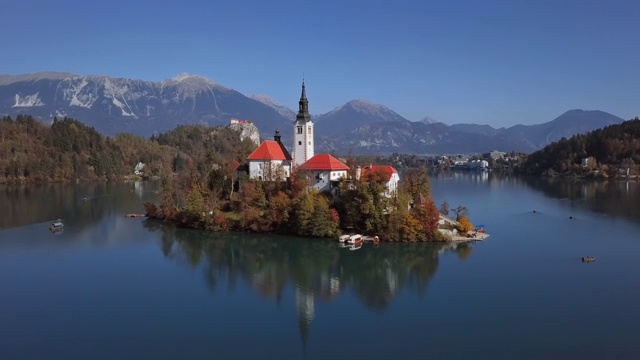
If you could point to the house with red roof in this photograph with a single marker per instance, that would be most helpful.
(270, 161)
(327, 171)
(390, 175)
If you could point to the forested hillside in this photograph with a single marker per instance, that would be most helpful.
(68, 150)
(608, 152)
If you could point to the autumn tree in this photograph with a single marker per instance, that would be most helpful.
(360, 210)
(302, 214)
(168, 199)
(322, 223)
(415, 182)
(279, 208)
(252, 206)
(398, 225)
(464, 225)
(428, 216)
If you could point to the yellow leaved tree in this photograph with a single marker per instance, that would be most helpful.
(464, 225)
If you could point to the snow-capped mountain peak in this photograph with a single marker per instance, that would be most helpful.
(429, 120)
(112, 104)
(186, 76)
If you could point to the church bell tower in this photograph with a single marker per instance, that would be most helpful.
(302, 132)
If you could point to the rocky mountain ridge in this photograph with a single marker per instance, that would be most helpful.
(141, 107)
(113, 105)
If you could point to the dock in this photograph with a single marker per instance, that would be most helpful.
(470, 236)
(134, 215)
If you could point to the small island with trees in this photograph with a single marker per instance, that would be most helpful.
(222, 202)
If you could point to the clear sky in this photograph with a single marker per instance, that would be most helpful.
(482, 61)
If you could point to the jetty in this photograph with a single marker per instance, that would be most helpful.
(134, 215)
(470, 236)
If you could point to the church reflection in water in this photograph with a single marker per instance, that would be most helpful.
(316, 270)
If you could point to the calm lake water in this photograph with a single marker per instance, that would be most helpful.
(115, 287)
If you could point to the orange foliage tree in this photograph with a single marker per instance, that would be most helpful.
(464, 225)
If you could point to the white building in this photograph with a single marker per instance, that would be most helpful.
(303, 144)
(326, 170)
(270, 161)
(478, 164)
(139, 169)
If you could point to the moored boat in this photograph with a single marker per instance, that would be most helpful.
(354, 239)
(56, 226)
(344, 238)
(373, 239)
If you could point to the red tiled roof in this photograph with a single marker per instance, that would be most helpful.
(324, 162)
(389, 170)
(268, 150)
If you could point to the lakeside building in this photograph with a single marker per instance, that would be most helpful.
(270, 161)
(327, 172)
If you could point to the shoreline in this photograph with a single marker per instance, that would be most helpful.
(480, 236)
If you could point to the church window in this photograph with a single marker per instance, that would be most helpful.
(309, 131)
(309, 142)
(299, 129)
(299, 142)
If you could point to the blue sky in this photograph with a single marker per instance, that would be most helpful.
(488, 62)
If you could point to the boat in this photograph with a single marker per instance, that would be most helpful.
(56, 226)
(356, 246)
(588, 259)
(354, 239)
(373, 239)
(344, 238)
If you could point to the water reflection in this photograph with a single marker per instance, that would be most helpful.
(83, 204)
(620, 198)
(316, 270)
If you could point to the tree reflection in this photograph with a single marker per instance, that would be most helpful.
(612, 197)
(317, 270)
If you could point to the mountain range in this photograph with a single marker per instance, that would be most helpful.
(113, 105)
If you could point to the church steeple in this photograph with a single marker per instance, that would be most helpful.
(303, 107)
(302, 131)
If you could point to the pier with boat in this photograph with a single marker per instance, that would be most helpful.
(355, 241)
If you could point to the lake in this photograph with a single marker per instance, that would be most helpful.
(110, 287)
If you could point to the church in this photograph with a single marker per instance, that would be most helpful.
(271, 161)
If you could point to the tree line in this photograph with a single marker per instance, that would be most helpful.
(67, 150)
(609, 151)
